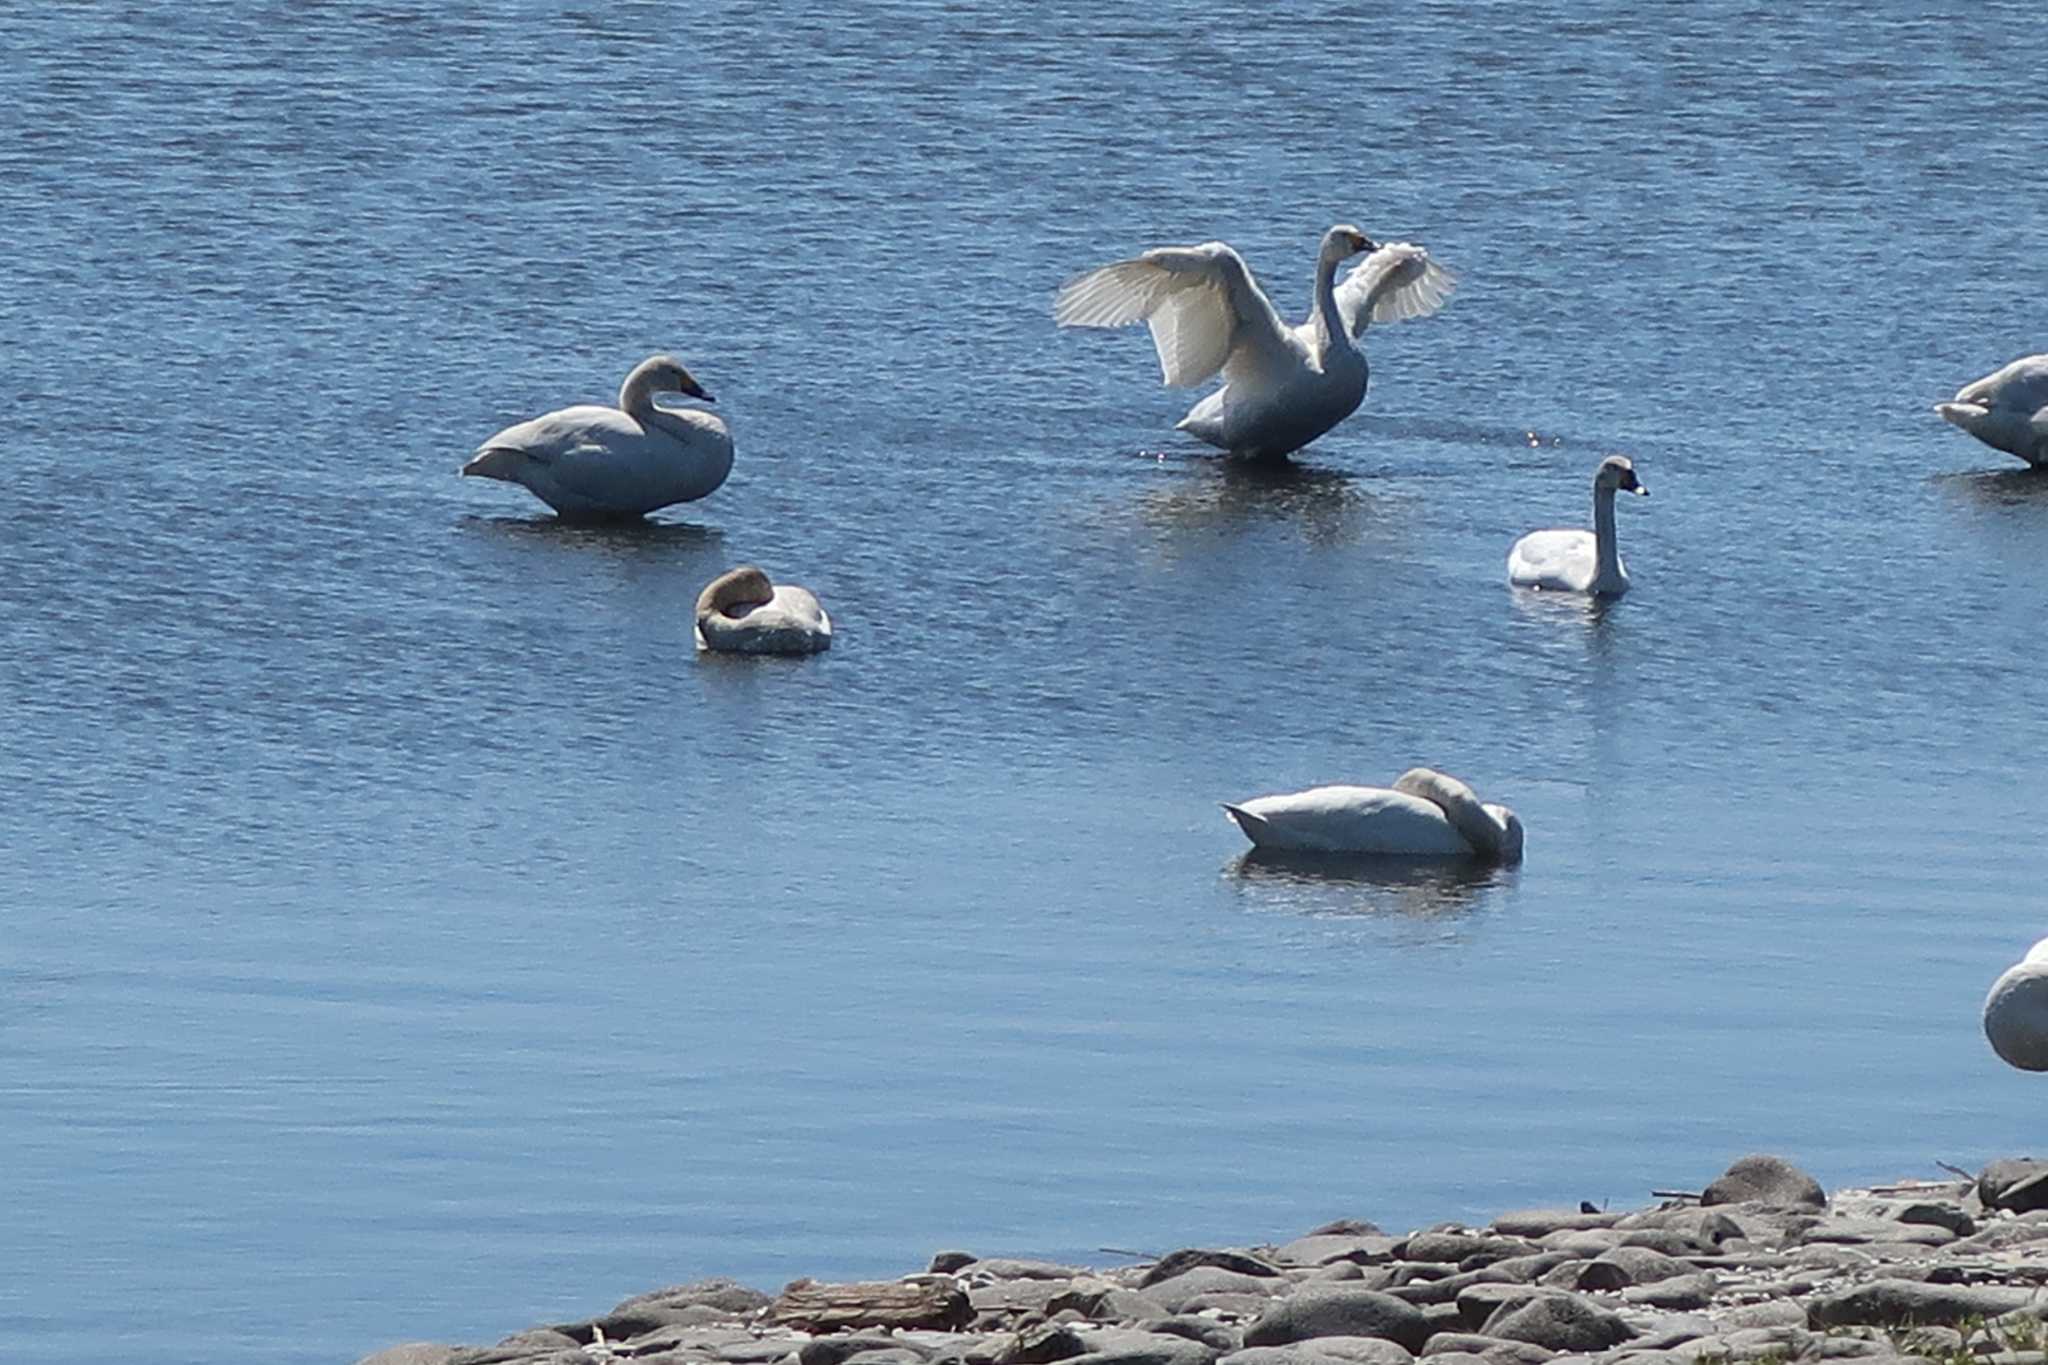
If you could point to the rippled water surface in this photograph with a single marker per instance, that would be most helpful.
(406, 936)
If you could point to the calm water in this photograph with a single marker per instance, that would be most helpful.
(406, 936)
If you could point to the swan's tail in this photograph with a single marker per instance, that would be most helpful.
(495, 462)
(1254, 828)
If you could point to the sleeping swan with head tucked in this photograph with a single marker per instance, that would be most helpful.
(1425, 814)
(2007, 410)
(1282, 386)
(597, 463)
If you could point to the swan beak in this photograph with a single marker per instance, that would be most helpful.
(1642, 492)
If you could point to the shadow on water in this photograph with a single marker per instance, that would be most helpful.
(633, 535)
(1999, 488)
(1221, 494)
(1337, 883)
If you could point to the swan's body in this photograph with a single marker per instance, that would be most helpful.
(741, 612)
(2016, 1012)
(2007, 410)
(1425, 814)
(1580, 561)
(597, 462)
(1282, 386)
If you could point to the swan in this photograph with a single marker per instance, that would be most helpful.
(2007, 410)
(1580, 561)
(2016, 1011)
(1425, 814)
(1282, 386)
(594, 462)
(742, 612)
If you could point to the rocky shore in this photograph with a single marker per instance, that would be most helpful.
(1761, 1265)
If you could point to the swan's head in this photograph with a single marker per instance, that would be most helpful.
(1345, 240)
(665, 374)
(1619, 473)
(735, 593)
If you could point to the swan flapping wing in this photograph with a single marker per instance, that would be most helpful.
(1396, 282)
(1201, 303)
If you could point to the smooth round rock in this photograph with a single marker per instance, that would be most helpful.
(1762, 1179)
(1339, 1312)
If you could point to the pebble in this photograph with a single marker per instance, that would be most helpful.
(1773, 1269)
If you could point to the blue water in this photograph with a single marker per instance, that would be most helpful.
(406, 936)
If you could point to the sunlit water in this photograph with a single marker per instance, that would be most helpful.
(406, 935)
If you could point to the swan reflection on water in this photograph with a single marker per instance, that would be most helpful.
(2001, 487)
(1227, 494)
(1350, 883)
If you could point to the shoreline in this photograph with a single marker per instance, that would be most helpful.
(1761, 1265)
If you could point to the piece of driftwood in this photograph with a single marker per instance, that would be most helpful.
(934, 1302)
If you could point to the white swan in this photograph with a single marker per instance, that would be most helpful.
(1426, 814)
(2016, 1012)
(741, 612)
(2007, 410)
(1282, 386)
(597, 462)
(1580, 561)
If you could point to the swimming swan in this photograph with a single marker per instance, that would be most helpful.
(2007, 410)
(2016, 1012)
(594, 462)
(741, 612)
(1282, 386)
(1580, 561)
(1426, 814)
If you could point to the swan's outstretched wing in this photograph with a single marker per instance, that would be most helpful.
(1396, 282)
(2020, 387)
(1200, 301)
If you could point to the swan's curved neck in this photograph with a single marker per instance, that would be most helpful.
(1607, 555)
(1329, 322)
(636, 395)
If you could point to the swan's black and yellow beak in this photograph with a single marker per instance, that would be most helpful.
(1630, 484)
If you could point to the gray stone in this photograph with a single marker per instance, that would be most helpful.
(1209, 1279)
(1235, 1305)
(1772, 1313)
(1339, 1312)
(1564, 1275)
(1526, 1269)
(411, 1353)
(1441, 1317)
(947, 1262)
(1681, 1292)
(1670, 1241)
(1899, 1303)
(888, 1355)
(1454, 1247)
(1123, 1346)
(1589, 1243)
(1180, 1262)
(833, 1350)
(1347, 1227)
(1478, 1304)
(755, 1351)
(1493, 1350)
(2017, 1184)
(1671, 1329)
(1862, 1231)
(1043, 1345)
(1361, 1350)
(1347, 1270)
(1751, 1343)
(1448, 1287)
(1620, 1267)
(729, 1296)
(1562, 1322)
(1950, 1216)
(1768, 1180)
(1011, 1268)
(1708, 1227)
(1542, 1222)
(1323, 1248)
(1102, 1302)
(1999, 1236)
(1208, 1331)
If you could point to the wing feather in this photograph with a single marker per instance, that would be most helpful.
(1396, 282)
(2021, 386)
(1201, 303)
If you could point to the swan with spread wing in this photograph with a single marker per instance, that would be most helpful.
(1283, 385)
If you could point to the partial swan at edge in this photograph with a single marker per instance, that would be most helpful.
(742, 612)
(2007, 410)
(1282, 386)
(1580, 561)
(594, 462)
(2016, 1012)
(1425, 814)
